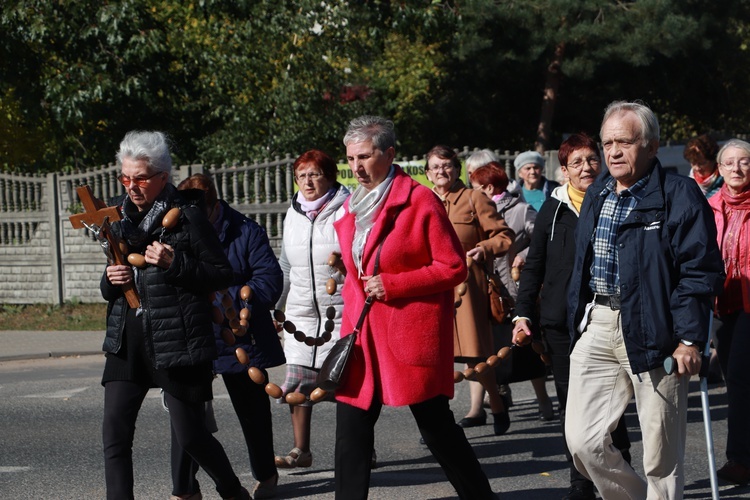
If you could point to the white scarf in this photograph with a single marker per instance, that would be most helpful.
(365, 205)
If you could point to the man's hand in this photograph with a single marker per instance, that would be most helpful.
(688, 359)
(521, 333)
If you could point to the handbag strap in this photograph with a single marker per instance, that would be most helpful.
(370, 299)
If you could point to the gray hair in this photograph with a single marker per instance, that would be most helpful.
(371, 128)
(733, 143)
(150, 146)
(649, 123)
(480, 158)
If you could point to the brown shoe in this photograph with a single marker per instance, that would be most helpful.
(734, 473)
(295, 458)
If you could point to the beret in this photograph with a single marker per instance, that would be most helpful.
(528, 157)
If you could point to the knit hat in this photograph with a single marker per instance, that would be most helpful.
(528, 157)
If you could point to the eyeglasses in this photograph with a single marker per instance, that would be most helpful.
(313, 176)
(445, 167)
(744, 163)
(593, 161)
(141, 182)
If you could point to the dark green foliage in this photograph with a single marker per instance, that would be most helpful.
(244, 80)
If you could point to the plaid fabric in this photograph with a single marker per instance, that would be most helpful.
(301, 379)
(605, 268)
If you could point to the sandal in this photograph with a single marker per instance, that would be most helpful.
(295, 458)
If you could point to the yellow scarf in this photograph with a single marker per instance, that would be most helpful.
(576, 197)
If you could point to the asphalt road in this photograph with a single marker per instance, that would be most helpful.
(50, 443)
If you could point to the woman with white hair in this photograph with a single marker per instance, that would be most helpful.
(168, 341)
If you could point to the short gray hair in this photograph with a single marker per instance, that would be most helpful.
(649, 123)
(150, 146)
(733, 143)
(377, 129)
(480, 158)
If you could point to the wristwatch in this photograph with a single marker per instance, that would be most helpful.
(691, 343)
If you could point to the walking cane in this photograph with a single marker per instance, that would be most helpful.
(669, 366)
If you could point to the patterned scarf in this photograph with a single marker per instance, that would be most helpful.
(365, 205)
(314, 207)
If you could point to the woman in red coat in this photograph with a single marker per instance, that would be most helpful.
(404, 353)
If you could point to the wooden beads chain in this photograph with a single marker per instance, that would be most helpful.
(495, 359)
(257, 375)
(329, 326)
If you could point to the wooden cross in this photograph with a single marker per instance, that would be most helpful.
(97, 217)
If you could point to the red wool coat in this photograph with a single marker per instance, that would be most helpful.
(404, 353)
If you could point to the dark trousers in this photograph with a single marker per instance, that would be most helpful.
(253, 409)
(122, 401)
(355, 438)
(733, 338)
(558, 347)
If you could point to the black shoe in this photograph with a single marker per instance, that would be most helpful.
(421, 440)
(734, 473)
(501, 423)
(473, 421)
(580, 492)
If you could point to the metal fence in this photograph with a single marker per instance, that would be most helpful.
(43, 259)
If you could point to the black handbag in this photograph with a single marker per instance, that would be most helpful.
(335, 366)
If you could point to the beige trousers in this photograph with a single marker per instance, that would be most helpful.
(601, 387)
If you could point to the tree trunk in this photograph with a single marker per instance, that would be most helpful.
(552, 83)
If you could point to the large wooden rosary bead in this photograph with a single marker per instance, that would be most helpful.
(170, 220)
(244, 313)
(216, 315)
(470, 374)
(242, 356)
(503, 353)
(256, 375)
(226, 301)
(246, 293)
(295, 398)
(461, 289)
(480, 367)
(333, 260)
(493, 361)
(331, 286)
(299, 336)
(230, 313)
(457, 377)
(273, 390)
(289, 327)
(228, 336)
(137, 260)
(279, 315)
(317, 394)
(515, 273)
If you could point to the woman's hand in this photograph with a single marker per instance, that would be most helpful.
(477, 253)
(374, 287)
(159, 254)
(119, 275)
(518, 262)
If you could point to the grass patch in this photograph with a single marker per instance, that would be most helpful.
(45, 317)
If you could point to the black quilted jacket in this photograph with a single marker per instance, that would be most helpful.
(175, 302)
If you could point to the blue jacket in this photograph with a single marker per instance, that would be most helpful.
(670, 267)
(253, 263)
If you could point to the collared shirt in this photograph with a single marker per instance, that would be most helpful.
(605, 268)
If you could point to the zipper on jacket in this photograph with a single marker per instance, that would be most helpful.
(314, 291)
(148, 334)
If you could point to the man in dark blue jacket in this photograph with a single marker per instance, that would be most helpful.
(646, 269)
